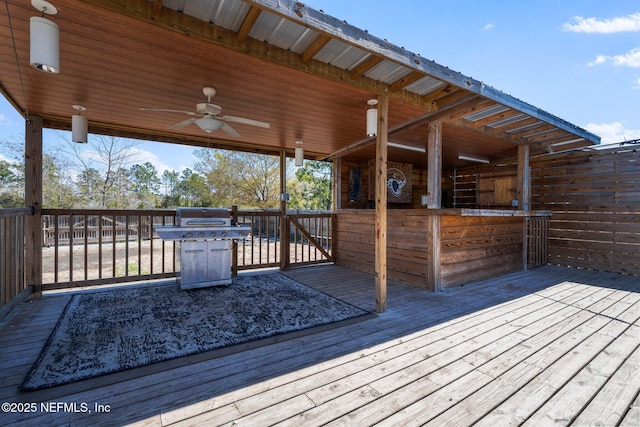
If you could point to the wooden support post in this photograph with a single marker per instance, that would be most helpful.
(337, 183)
(33, 199)
(284, 230)
(434, 191)
(524, 178)
(524, 197)
(234, 246)
(381, 205)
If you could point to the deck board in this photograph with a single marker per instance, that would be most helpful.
(548, 345)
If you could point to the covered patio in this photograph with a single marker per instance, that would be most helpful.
(504, 281)
(551, 346)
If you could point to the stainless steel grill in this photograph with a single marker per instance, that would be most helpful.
(206, 239)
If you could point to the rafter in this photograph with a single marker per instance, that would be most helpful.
(315, 47)
(364, 66)
(406, 81)
(248, 23)
(142, 10)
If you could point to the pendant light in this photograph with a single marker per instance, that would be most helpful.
(372, 118)
(44, 39)
(299, 154)
(79, 126)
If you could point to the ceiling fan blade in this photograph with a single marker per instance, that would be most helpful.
(183, 124)
(191, 113)
(229, 130)
(246, 121)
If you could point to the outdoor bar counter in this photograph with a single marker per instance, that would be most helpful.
(471, 244)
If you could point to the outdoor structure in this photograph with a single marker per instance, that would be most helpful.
(440, 181)
(285, 73)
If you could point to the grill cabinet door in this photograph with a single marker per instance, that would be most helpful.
(193, 262)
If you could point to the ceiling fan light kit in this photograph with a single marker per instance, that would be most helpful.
(44, 39)
(209, 117)
(209, 124)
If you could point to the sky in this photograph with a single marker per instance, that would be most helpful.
(576, 59)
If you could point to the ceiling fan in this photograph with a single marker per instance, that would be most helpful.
(208, 116)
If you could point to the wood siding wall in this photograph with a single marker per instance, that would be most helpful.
(472, 247)
(595, 199)
(12, 257)
(406, 243)
(475, 248)
(594, 196)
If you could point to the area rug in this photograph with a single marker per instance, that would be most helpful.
(104, 332)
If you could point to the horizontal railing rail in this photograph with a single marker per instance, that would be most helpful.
(95, 247)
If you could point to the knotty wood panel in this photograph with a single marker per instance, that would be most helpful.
(474, 248)
(406, 243)
(471, 247)
(594, 196)
(595, 199)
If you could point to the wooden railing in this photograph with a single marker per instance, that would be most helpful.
(93, 247)
(537, 241)
(12, 265)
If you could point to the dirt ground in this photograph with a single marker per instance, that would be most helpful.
(137, 258)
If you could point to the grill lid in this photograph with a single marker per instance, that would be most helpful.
(203, 217)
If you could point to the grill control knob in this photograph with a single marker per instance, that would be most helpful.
(201, 234)
(188, 235)
(224, 233)
(213, 234)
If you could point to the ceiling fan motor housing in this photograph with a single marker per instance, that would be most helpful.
(208, 109)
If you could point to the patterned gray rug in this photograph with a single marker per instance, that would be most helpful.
(105, 332)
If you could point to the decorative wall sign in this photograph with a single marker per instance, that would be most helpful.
(399, 182)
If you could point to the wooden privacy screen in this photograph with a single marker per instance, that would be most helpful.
(594, 196)
(595, 199)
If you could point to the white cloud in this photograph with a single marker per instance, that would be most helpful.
(603, 26)
(488, 26)
(611, 133)
(629, 59)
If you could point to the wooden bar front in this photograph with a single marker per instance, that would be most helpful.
(474, 244)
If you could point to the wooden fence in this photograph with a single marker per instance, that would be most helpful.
(594, 197)
(12, 272)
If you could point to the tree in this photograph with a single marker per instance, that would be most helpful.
(99, 163)
(313, 187)
(170, 182)
(193, 189)
(247, 180)
(145, 184)
(11, 186)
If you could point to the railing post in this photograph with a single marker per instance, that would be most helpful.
(234, 246)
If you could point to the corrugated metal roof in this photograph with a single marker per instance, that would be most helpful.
(286, 31)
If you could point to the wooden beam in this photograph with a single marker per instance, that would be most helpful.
(406, 81)
(434, 191)
(524, 178)
(157, 7)
(33, 200)
(315, 47)
(364, 66)
(381, 205)
(248, 23)
(142, 10)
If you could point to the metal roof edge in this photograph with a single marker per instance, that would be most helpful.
(327, 24)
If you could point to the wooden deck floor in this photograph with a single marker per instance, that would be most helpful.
(551, 346)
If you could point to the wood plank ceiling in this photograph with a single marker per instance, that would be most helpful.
(307, 74)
